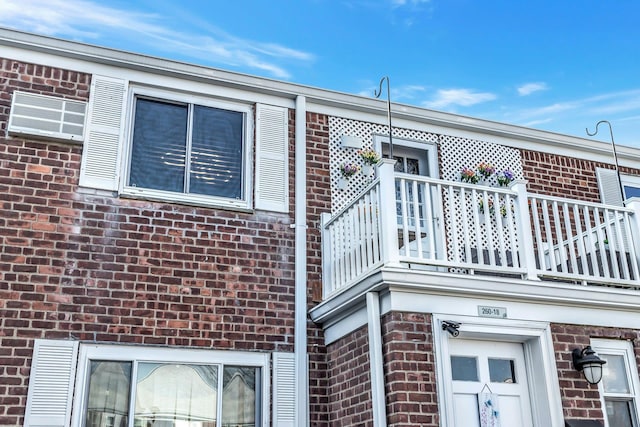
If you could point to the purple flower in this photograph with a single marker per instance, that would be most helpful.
(505, 177)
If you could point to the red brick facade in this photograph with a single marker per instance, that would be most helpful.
(410, 370)
(563, 176)
(318, 201)
(85, 265)
(350, 382)
(94, 267)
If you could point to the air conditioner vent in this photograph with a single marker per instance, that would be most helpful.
(47, 116)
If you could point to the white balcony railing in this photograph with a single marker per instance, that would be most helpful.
(418, 222)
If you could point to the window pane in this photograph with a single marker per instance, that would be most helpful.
(614, 374)
(413, 166)
(216, 153)
(109, 386)
(169, 395)
(502, 371)
(631, 191)
(464, 368)
(619, 413)
(159, 146)
(239, 397)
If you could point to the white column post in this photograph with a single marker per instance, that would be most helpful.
(379, 401)
(388, 216)
(525, 234)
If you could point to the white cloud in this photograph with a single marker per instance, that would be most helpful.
(462, 97)
(529, 88)
(86, 20)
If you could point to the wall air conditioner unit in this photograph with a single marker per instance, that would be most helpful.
(47, 116)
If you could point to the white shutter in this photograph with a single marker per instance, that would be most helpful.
(284, 389)
(101, 151)
(53, 369)
(609, 187)
(272, 160)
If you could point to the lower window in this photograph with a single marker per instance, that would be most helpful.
(619, 387)
(169, 388)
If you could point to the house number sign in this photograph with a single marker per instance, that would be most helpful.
(488, 311)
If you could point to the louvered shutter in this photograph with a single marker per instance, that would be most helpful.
(610, 194)
(272, 166)
(609, 186)
(51, 382)
(284, 389)
(101, 151)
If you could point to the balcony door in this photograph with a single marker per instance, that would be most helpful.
(418, 204)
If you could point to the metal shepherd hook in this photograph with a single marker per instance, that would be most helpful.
(615, 155)
(377, 95)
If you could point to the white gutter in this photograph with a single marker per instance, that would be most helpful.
(379, 401)
(300, 324)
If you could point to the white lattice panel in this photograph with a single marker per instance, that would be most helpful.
(339, 155)
(454, 154)
(457, 153)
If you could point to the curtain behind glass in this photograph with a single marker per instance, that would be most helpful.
(239, 397)
(159, 146)
(216, 153)
(176, 394)
(108, 402)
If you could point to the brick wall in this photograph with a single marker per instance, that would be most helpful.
(563, 176)
(350, 380)
(94, 267)
(318, 201)
(410, 370)
(581, 400)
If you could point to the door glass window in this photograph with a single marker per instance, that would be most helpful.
(502, 371)
(464, 368)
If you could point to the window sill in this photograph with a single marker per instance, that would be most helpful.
(187, 200)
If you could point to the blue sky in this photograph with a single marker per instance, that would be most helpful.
(557, 65)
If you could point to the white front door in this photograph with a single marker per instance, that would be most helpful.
(489, 366)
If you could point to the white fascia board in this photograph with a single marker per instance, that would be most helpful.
(428, 292)
(318, 100)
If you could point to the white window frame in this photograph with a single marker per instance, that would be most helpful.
(625, 349)
(194, 199)
(431, 149)
(89, 352)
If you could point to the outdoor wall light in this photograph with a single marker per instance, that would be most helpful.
(587, 361)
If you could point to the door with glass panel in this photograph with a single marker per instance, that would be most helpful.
(489, 381)
(417, 202)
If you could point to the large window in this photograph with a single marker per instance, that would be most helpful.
(188, 151)
(169, 388)
(619, 385)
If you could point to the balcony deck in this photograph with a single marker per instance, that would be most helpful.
(453, 228)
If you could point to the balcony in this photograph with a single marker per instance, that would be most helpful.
(435, 227)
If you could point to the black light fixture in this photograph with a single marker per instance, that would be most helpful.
(587, 361)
